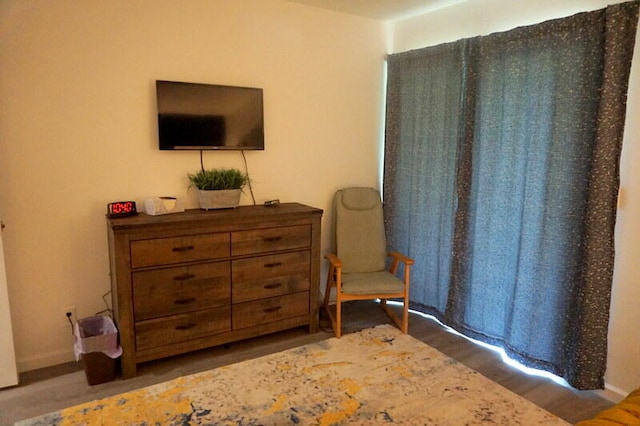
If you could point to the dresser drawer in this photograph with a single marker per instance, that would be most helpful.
(167, 251)
(172, 291)
(263, 311)
(276, 265)
(268, 276)
(269, 287)
(270, 239)
(179, 328)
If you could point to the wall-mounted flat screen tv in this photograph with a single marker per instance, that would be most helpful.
(195, 116)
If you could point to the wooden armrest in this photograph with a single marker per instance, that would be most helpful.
(334, 260)
(401, 257)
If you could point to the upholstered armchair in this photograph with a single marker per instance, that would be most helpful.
(357, 269)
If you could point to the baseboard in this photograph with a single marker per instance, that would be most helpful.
(612, 393)
(45, 360)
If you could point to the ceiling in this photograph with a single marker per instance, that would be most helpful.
(382, 10)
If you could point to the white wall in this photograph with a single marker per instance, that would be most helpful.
(77, 127)
(481, 17)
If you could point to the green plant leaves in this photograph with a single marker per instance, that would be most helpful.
(217, 179)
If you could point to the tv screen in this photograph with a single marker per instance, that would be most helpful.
(207, 116)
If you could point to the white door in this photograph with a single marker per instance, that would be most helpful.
(8, 370)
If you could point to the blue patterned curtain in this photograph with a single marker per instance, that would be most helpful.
(501, 179)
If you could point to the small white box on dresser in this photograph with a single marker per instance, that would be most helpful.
(162, 205)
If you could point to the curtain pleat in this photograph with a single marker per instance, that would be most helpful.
(501, 177)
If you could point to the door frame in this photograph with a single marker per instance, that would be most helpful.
(8, 367)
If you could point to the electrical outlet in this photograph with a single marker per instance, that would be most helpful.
(69, 320)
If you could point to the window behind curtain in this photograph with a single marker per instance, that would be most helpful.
(493, 180)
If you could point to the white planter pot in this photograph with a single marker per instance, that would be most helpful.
(221, 199)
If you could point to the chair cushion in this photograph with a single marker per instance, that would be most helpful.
(371, 283)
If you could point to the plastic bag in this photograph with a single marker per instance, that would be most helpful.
(96, 334)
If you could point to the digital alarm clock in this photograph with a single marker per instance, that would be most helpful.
(121, 209)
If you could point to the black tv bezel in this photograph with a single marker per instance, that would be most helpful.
(209, 147)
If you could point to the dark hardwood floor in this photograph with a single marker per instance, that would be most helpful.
(53, 388)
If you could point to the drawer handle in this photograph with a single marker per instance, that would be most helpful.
(184, 277)
(185, 301)
(274, 309)
(182, 249)
(272, 265)
(185, 327)
(272, 286)
(272, 239)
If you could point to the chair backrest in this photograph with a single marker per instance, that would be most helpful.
(359, 230)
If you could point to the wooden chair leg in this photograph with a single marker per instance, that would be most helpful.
(327, 294)
(338, 323)
(405, 317)
(401, 322)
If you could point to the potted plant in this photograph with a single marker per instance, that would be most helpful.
(218, 188)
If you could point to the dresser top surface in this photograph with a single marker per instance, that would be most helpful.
(238, 213)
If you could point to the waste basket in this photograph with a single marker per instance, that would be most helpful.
(96, 339)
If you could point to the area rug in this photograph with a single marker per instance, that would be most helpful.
(376, 376)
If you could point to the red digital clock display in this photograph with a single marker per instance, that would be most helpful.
(122, 208)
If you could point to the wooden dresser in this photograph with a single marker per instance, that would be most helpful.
(188, 281)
